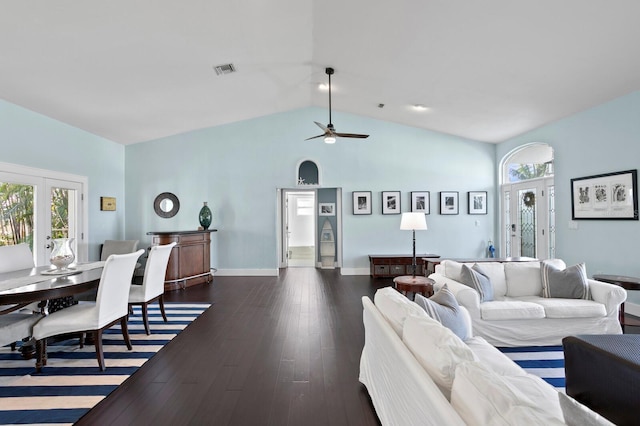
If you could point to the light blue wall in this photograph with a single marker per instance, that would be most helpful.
(600, 140)
(33, 140)
(237, 169)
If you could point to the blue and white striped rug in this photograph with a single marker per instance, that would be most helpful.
(546, 362)
(71, 383)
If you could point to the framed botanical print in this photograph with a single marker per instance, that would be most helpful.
(421, 202)
(605, 197)
(390, 202)
(449, 202)
(361, 202)
(477, 202)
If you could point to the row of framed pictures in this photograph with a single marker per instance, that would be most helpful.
(420, 202)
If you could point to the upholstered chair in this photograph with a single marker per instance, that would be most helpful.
(16, 325)
(110, 307)
(152, 287)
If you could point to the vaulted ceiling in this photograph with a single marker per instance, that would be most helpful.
(133, 71)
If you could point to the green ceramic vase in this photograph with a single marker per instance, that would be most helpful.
(205, 216)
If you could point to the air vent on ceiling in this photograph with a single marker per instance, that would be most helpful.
(224, 69)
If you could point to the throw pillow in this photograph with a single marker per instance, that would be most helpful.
(576, 414)
(477, 280)
(436, 348)
(482, 397)
(570, 283)
(444, 308)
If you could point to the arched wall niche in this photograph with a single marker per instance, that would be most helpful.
(308, 173)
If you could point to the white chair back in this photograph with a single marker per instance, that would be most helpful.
(156, 270)
(113, 291)
(15, 258)
(118, 247)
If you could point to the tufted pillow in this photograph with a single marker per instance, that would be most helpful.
(569, 283)
(444, 308)
(476, 279)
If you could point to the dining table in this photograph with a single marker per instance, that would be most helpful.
(43, 284)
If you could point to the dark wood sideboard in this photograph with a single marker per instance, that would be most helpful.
(190, 260)
(393, 265)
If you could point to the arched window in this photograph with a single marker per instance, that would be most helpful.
(528, 202)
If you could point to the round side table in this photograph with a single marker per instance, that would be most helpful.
(408, 284)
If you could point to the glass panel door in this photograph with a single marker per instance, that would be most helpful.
(62, 217)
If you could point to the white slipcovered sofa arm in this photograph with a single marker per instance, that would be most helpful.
(465, 295)
(610, 295)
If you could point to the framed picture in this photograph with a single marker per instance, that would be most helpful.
(449, 202)
(607, 197)
(390, 202)
(326, 209)
(477, 202)
(421, 202)
(361, 202)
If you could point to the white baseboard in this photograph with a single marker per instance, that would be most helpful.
(632, 309)
(246, 273)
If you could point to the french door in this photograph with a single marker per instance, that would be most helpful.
(529, 219)
(35, 208)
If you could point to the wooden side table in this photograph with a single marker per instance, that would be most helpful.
(409, 284)
(628, 283)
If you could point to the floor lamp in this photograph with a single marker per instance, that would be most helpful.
(413, 222)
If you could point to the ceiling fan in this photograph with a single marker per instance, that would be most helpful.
(330, 133)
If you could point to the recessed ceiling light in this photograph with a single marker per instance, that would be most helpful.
(420, 107)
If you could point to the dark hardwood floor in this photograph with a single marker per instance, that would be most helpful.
(270, 351)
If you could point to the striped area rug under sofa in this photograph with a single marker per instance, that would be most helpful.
(546, 362)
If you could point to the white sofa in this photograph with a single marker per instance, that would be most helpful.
(418, 372)
(519, 315)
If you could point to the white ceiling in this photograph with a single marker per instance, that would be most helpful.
(136, 70)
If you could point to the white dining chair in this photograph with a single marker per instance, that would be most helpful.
(16, 325)
(152, 287)
(109, 308)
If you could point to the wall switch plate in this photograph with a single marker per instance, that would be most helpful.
(573, 224)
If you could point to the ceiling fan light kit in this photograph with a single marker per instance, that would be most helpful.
(330, 133)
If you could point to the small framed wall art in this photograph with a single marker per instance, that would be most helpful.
(326, 209)
(421, 202)
(477, 202)
(390, 202)
(361, 202)
(108, 204)
(449, 202)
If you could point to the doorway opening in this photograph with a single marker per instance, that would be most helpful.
(300, 225)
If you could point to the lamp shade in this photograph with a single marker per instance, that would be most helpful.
(413, 221)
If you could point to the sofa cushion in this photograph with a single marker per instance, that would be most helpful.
(576, 414)
(569, 283)
(475, 278)
(523, 279)
(482, 397)
(510, 309)
(571, 308)
(395, 307)
(436, 348)
(444, 308)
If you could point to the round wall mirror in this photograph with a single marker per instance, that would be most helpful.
(166, 205)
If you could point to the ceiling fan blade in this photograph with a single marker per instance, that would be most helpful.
(351, 135)
(315, 137)
(322, 126)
